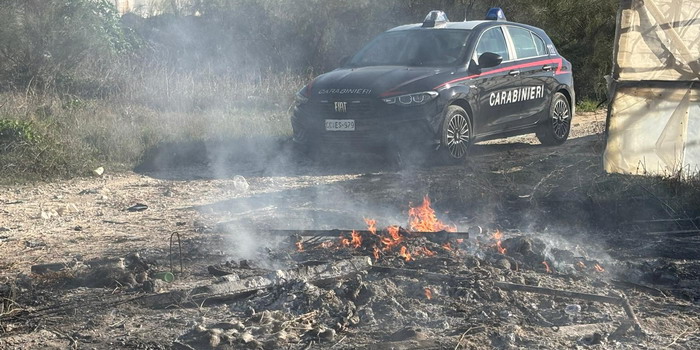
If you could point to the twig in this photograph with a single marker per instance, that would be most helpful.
(679, 337)
(459, 342)
(339, 341)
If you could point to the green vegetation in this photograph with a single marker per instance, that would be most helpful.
(81, 86)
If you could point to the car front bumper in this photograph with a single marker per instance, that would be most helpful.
(377, 126)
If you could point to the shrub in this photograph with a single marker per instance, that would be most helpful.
(59, 44)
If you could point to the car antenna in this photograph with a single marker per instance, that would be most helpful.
(465, 14)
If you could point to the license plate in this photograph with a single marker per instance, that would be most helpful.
(340, 125)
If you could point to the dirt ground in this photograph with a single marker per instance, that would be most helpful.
(552, 204)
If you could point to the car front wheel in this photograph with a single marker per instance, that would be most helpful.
(456, 134)
(555, 130)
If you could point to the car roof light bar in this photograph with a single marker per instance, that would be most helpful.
(496, 14)
(435, 19)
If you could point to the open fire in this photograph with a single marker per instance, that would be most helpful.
(422, 220)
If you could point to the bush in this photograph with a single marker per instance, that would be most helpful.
(58, 44)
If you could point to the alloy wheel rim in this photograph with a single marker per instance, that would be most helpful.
(561, 119)
(458, 136)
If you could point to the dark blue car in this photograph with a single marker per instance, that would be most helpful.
(440, 86)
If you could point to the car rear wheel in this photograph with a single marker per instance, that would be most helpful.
(555, 130)
(456, 134)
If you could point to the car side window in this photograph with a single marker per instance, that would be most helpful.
(494, 41)
(524, 43)
(539, 44)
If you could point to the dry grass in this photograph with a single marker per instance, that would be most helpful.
(151, 108)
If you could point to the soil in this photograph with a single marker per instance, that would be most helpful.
(564, 224)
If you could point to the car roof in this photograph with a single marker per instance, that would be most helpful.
(467, 25)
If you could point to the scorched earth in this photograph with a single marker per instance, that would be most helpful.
(524, 247)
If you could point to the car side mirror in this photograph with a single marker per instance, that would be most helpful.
(489, 59)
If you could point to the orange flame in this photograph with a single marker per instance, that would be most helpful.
(447, 246)
(599, 268)
(580, 265)
(423, 219)
(300, 246)
(405, 254)
(394, 238)
(371, 225)
(424, 251)
(356, 239)
(498, 236)
(546, 266)
(428, 293)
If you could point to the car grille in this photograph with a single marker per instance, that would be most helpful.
(375, 122)
(354, 109)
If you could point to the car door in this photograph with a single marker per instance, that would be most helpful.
(490, 82)
(536, 71)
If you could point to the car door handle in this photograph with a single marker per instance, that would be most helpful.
(546, 68)
(514, 73)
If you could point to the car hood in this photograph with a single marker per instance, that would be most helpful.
(373, 81)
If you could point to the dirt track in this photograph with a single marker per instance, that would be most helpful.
(516, 186)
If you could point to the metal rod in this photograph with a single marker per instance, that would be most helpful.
(179, 245)
(576, 295)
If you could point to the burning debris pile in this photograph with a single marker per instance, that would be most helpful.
(422, 284)
(426, 286)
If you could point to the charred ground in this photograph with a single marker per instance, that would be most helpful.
(552, 205)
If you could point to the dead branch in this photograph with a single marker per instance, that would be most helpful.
(421, 274)
(576, 295)
(319, 273)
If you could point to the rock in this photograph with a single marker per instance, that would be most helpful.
(216, 331)
(367, 316)
(99, 171)
(409, 333)
(471, 262)
(214, 340)
(137, 207)
(594, 339)
(503, 264)
(67, 209)
(153, 286)
(327, 334)
(240, 184)
(247, 337)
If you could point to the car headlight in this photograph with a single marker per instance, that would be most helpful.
(417, 99)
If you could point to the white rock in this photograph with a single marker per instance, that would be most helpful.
(99, 171)
(240, 183)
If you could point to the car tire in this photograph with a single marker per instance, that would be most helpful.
(456, 135)
(555, 130)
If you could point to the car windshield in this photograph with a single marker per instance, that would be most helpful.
(420, 48)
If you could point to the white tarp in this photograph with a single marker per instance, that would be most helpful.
(654, 121)
(654, 131)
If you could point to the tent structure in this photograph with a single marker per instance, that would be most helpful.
(653, 124)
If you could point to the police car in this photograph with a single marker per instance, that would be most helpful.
(440, 85)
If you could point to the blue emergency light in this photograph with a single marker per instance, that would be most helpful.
(435, 19)
(496, 14)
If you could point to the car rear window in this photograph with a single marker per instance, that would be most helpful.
(539, 44)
